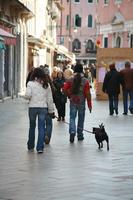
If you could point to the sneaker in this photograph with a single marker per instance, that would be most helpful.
(72, 138)
(40, 151)
(47, 140)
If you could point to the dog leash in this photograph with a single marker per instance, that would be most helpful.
(78, 127)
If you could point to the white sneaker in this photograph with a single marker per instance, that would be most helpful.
(40, 151)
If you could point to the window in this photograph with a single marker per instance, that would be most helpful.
(77, 21)
(89, 46)
(118, 1)
(61, 40)
(105, 42)
(118, 42)
(106, 1)
(90, 21)
(131, 41)
(67, 0)
(76, 46)
(67, 21)
(77, 1)
(90, 1)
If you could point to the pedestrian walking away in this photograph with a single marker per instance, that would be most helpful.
(111, 86)
(78, 90)
(127, 87)
(39, 94)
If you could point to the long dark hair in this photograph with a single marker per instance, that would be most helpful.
(38, 73)
(76, 83)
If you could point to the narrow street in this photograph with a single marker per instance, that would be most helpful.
(66, 171)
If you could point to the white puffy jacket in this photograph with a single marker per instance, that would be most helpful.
(39, 96)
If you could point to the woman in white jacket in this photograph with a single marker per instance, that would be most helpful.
(39, 94)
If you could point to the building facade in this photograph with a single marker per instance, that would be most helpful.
(13, 15)
(77, 29)
(27, 39)
(115, 23)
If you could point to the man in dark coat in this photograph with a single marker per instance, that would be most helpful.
(127, 87)
(111, 86)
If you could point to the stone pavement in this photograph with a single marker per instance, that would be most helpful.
(66, 171)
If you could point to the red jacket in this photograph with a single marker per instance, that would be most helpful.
(85, 93)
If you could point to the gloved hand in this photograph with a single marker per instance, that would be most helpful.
(52, 115)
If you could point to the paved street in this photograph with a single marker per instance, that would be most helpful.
(66, 171)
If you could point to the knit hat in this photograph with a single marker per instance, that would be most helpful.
(78, 68)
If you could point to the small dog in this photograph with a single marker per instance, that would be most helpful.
(100, 136)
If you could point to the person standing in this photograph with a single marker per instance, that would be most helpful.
(78, 90)
(127, 87)
(111, 86)
(39, 94)
(60, 98)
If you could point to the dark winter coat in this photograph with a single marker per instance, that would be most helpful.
(111, 83)
(59, 96)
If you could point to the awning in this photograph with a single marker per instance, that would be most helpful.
(1, 39)
(63, 50)
(9, 39)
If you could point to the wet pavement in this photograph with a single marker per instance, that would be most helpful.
(66, 171)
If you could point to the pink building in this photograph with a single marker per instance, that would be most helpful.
(77, 29)
(115, 23)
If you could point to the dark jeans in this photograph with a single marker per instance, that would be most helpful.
(113, 103)
(61, 108)
(33, 114)
(126, 94)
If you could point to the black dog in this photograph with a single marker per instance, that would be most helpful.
(100, 136)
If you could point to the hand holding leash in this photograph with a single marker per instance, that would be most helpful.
(52, 115)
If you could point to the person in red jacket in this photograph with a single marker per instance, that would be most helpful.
(78, 90)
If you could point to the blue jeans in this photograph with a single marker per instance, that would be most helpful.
(127, 93)
(48, 126)
(74, 109)
(33, 114)
(113, 103)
